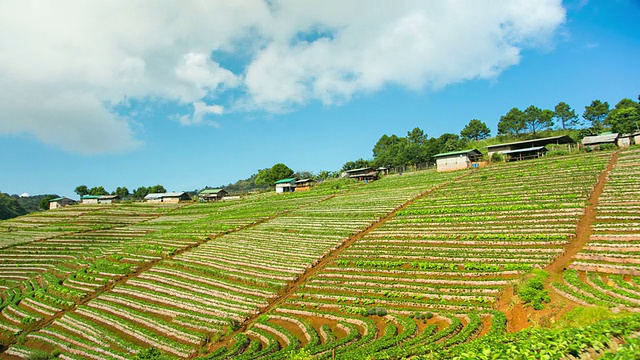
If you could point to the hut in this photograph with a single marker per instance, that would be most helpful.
(212, 194)
(108, 199)
(90, 199)
(61, 202)
(365, 174)
(457, 160)
(285, 185)
(168, 197)
(528, 148)
(304, 184)
(596, 141)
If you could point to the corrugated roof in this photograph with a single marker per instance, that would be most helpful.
(304, 181)
(164, 195)
(360, 169)
(211, 191)
(535, 148)
(600, 139)
(91, 196)
(565, 139)
(462, 152)
(287, 180)
(57, 199)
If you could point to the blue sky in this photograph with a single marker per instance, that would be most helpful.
(198, 95)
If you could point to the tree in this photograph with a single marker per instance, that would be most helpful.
(44, 202)
(625, 117)
(122, 192)
(449, 142)
(81, 190)
(10, 207)
(566, 115)
(595, 114)
(416, 136)
(475, 130)
(98, 190)
(156, 189)
(512, 123)
(537, 119)
(358, 164)
(273, 174)
(140, 192)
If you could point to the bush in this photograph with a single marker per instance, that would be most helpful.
(532, 290)
(497, 157)
(429, 315)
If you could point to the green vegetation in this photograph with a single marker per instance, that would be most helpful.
(531, 289)
(10, 207)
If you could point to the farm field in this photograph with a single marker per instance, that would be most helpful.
(409, 265)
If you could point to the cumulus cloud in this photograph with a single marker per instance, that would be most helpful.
(62, 62)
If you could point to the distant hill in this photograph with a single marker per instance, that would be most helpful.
(32, 203)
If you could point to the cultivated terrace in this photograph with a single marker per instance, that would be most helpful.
(412, 265)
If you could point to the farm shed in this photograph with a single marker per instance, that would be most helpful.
(626, 140)
(285, 185)
(304, 184)
(108, 199)
(365, 174)
(596, 141)
(212, 194)
(90, 199)
(61, 202)
(170, 197)
(527, 153)
(457, 160)
(529, 144)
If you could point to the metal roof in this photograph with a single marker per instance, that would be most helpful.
(360, 169)
(600, 139)
(462, 152)
(535, 148)
(60, 198)
(211, 191)
(563, 139)
(91, 196)
(304, 181)
(287, 180)
(164, 195)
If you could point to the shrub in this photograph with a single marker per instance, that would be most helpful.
(429, 315)
(497, 157)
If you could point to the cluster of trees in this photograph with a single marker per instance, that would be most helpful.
(624, 118)
(123, 192)
(10, 207)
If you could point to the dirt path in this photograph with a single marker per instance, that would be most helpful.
(583, 230)
(302, 279)
(520, 317)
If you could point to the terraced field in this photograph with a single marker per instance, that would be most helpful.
(404, 266)
(607, 270)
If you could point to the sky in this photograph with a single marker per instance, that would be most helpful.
(189, 94)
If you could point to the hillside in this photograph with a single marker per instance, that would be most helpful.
(420, 264)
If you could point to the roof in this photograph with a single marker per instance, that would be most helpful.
(60, 198)
(531, 149)
(91, 196)
(302, 181)
(600, 139)
(360, 169)
(109, 197)
(164, 195)
(287, 180)
(563, 139)
(462, 152)
(211, 191)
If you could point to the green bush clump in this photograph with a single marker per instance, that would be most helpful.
(532, 291)
(375, 311)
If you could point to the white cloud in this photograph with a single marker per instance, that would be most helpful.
(60, 62)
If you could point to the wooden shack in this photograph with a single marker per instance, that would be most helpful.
(61, 202)
(212, 194)
(596, 141)
(90, 199)
(168, 197)
(304, 184)
(365, 174)
(457, 160)
(530, 147)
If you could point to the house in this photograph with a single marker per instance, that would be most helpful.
(285, 185)
(595, 141)
(212, 194)
(528, 148)
(457, 160)
(365, 174)
(100, 199)
(90, 199)
(304, 184)
(168, 197)
(61, 202)
(626, 140)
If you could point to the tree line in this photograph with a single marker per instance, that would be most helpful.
(417, 148)
(121, 191)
